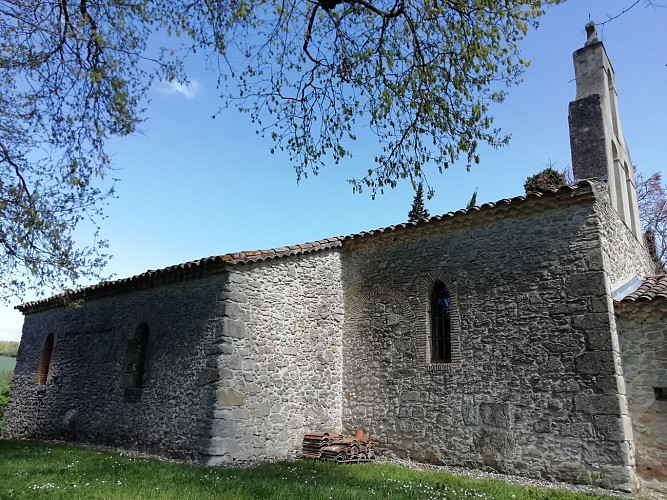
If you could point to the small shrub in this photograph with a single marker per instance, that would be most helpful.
(4, 399)
(6, 376)
(545, 180)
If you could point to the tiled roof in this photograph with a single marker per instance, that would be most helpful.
(208, 265)
(653, 287)
(582, 188)
(192, 269)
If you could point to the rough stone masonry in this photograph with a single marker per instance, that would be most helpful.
(522, 335)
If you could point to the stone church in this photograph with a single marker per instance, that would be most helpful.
(526, 335)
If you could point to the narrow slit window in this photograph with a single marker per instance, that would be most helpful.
(45, 360)
(136, 353)
(660, 393)
(441, 329)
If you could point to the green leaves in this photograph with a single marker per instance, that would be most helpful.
(69, 79)
(420, 75)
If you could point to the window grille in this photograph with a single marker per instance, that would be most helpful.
(441, 334)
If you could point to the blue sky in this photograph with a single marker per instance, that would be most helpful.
(192, 187)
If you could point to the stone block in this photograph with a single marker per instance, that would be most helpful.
(578, 430)
(599, 339)
(411, 396)
(600, 304)
(207, 376)
(219, 446)
(582, 284)
(572, 472)
(241, 414)
(597, 404)
(552, 364)
(593, 363)
(234, 329)
(620, 478)
(609, 384)
(232, 310)
(230, 397)
(496, 415)
(277, 418)
(596, 330)
(595, 260)
(611, 453)
(566, 385)
(494, 443)
(612, 427)
(542, 425)
(469, 411)
(222, 428)
(235, 296)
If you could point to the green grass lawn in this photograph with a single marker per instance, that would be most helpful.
(30, 469)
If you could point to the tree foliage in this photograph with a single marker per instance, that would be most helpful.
(547, 179)
(418, 75)
(473, 200)
(69, 79)
(652, 202)
(418, 211)
(9, 348)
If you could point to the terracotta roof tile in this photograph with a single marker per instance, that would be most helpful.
(653, 287)
(214, 263)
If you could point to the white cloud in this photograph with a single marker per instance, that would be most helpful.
(189, 90)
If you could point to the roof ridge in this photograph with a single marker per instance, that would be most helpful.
(200, 266)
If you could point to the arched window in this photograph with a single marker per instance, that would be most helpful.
(441, 328)
(136, 353)
(45, 360)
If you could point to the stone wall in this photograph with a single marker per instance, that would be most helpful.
(625, 255)
(279, 358)
(84, 398)
(643, 333)
(534, 388)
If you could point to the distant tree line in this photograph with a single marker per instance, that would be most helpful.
(8, 348)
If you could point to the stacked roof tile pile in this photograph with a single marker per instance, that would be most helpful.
(335, 447)
(313, 443)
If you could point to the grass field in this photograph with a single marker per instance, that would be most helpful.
(7, 363)
(30, 469)
(6, 370)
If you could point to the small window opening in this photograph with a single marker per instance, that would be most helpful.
(612, 102)
(136, 363)
(660, 393)
(441, 337)
(45, 360)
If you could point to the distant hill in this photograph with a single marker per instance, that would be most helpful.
(8, 348)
